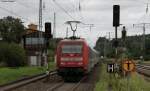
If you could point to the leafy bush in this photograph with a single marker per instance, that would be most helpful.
(11, 29)
(12, 55)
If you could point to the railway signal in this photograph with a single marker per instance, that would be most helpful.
(116, 19)
(124, 33)
(110, 68)
(48, 33)
(116, 23)
(48, 30)
(128, 65)
(116, 15)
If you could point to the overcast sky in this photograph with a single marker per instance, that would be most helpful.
(97, 12)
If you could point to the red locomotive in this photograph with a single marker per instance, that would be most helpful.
(75, 58)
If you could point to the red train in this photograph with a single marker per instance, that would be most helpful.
(75, 58)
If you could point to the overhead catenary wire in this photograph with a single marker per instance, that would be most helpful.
(53, 5)
(20, 3)
(76, 9)
(64, 10)
(25, 5)
(72, 3)
(46, 12)
(13, 13)
(33, 8)
(70, 6)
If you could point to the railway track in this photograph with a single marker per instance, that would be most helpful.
(63, 86)
(56, 83)
(143, 69)
(25, 81)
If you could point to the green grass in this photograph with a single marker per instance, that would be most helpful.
(52, 65)
(12, 74)
(103, 82)
(146, 62)
(135, 82)
(138, 83)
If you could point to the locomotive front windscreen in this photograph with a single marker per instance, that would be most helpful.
(72, 49)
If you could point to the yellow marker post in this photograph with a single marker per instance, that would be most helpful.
(128, 66)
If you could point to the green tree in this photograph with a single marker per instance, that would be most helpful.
(134, 45)
(12, 55)
(11, 29)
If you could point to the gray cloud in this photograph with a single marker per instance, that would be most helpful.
(97, 12)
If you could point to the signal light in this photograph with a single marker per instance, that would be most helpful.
(116, 15)
(48, 33)
(124, 33)
(48, 30)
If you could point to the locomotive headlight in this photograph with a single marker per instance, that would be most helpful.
(62, 63)
(71, 59)
(77, 59)
(80, 63)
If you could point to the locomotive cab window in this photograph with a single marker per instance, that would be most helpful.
(72, 49)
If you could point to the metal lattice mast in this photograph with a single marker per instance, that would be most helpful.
(67, 32)
(143, 41)
(40, 15)
(54, 28)
(143, 25)
(40, 29)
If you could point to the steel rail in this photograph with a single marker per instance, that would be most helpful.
(25, 81)
(143, 69)
(61, 84)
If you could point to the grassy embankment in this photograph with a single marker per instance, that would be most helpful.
(12, 74)
(146, 62)
(136, 82)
